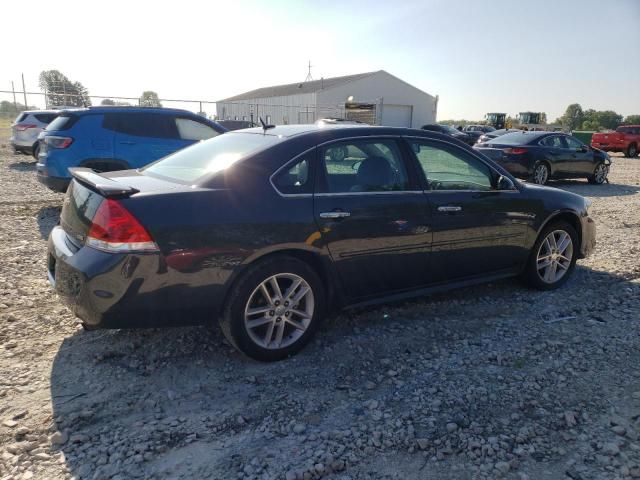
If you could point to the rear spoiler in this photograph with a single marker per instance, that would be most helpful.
(103, 185)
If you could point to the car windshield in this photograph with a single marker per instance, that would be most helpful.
(514, 138)
(210, 156)
(449, 129)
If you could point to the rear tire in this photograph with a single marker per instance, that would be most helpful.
(632, 151)
(553, 257)
(599, 175)
(268, 316)
(541, 173)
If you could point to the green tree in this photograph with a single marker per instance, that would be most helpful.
(107, 101)
(61, 91)
(573, 117)
(632, 120)
(8, 107)
(149, 98)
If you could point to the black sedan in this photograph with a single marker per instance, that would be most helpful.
(268, 231)
(540, 156)
(451, 131)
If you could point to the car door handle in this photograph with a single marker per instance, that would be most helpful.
(127, 143)
(335, 214)
(449, 208)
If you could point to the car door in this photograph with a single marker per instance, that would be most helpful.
(581, 157)
(556, 153)
(477, 228)
(142, 138)
(373, 217)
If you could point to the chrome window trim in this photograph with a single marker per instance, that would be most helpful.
(385, 192)
(474, 155)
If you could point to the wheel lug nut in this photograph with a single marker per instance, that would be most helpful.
(279, 319)
(286, 314)
(286, 304)
(271, 313)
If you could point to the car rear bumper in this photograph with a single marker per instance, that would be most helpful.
(57, 184)
(118, 290)
(22, 146)
(588, 243)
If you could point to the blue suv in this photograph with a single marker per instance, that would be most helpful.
(115, 138)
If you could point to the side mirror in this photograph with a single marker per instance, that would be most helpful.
(504, 183)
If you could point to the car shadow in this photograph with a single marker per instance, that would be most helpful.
(47, 218)
(590, 190)
(24, 166)
(160, 403)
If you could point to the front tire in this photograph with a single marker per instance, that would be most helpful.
(540, 173)
(599, 175)
(274, 309)
(553, 256)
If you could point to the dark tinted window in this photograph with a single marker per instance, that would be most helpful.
(296, 178)
(141, 124)
(364, 166)
(21, 117)
(553, 141)
(45, 117)
(573, 143)
(515, 138)
(62, 122)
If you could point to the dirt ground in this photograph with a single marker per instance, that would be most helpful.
(495, 381)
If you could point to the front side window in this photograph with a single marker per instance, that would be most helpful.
(364, 166)
(295, 179)
(573, 143)
(449, 168)
(189, 129)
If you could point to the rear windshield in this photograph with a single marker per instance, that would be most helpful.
(515, 138)
(21, 117)
(210, 156)
(628, 130)
(63, 122)
(46, 117)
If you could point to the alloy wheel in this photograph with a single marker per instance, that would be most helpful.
(600, 175)
(541, 174)
(279, 311)
(554, 256)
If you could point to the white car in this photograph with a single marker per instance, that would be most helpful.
(26, 128)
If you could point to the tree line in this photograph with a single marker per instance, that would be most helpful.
(575, 118)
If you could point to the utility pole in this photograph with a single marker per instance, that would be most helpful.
(15, 104)
(309, 77)
(24, 92)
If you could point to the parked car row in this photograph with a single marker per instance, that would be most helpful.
(270, 229)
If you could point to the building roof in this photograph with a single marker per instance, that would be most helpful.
(297, 88)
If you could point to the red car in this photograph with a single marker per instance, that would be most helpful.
(625, 139)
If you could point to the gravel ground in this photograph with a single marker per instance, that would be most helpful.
(494, 381)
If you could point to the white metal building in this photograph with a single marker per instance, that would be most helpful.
(375, 97)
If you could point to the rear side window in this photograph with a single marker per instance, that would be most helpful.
(189, 129)
(62, 122)
(554, 141)
(141, 124)
(45, 117)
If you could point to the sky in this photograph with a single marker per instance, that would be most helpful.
(479, 56)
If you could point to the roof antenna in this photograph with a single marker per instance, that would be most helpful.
(265, 127)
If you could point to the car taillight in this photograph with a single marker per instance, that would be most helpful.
(114, 229)
(515, 151)
(58, 142)
(21, 127)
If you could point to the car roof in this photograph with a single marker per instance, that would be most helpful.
(287, 131)
(56, 112)
(127, 109)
